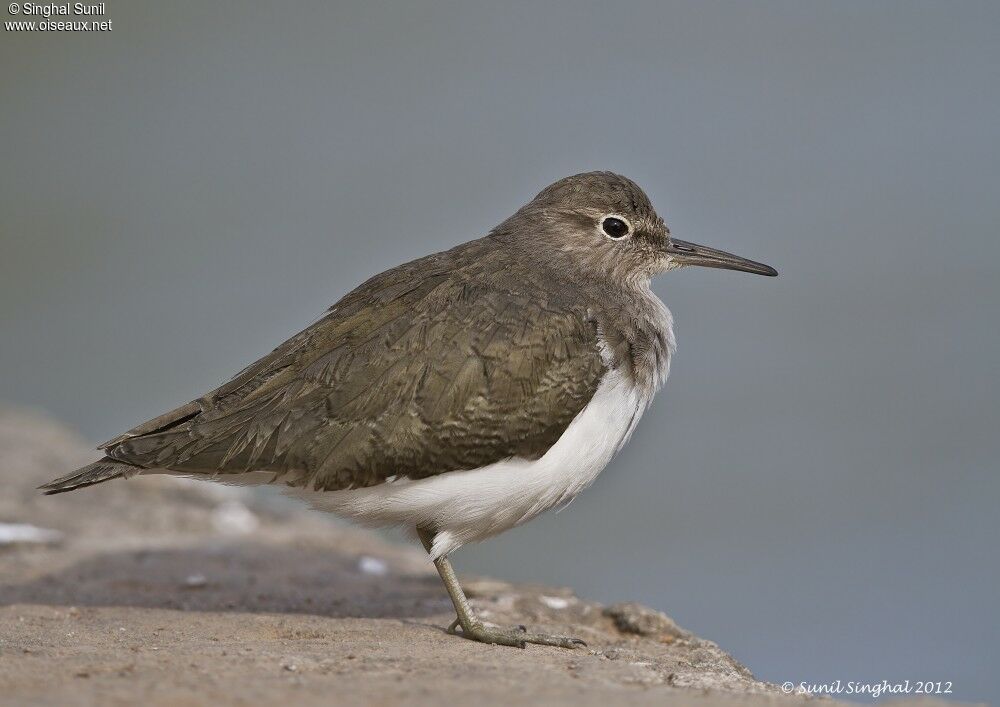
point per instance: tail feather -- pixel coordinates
(96, 473)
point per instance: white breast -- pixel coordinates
(467, 506)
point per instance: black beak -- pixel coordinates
(685, 253)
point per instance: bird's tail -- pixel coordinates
(96, 473)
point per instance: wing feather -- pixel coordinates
(431, 367)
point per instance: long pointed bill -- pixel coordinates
(685, 253)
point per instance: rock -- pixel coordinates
(630, 617)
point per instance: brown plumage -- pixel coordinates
(453, 361)
(433, 366)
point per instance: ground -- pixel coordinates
(156, 591)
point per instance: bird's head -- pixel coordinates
(605, 224)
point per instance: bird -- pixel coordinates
(458, 395)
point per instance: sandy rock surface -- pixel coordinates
(163, 592)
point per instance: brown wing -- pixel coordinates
(446, 363)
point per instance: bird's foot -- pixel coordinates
(517, 636)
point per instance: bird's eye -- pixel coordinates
(615, 227)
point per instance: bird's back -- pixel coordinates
(453, 361)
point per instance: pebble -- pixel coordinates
(195, 581)
(234, 518)
(373, 566)
(554, 602)
(25, 534)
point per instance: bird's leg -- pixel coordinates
(472, 627)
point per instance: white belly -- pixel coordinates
(467, 506)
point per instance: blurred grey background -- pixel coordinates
(816, 488)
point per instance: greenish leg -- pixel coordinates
(472, 627)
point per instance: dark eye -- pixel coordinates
(614, 227)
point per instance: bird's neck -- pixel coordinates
(637, 336)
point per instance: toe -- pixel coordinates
(558, 641)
